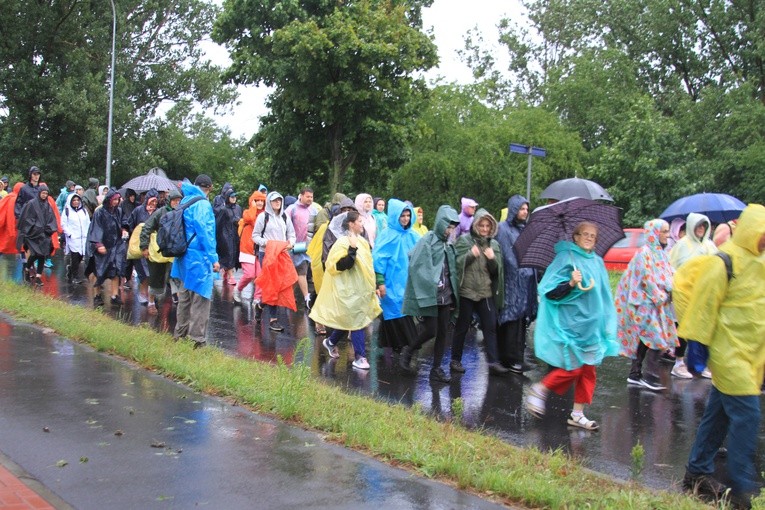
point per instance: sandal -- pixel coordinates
(535, 402)
(581, 421)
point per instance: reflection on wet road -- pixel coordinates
(664, 423)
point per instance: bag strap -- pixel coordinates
(728, 264)
(189, 203)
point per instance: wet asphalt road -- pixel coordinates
(664, 423)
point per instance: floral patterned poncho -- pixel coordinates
(643, 307)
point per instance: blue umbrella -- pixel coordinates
(718, 207)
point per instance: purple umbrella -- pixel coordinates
(575, 188)
(718, 207)
(535, 247)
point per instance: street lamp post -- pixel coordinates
(111, 99)
(531, 151)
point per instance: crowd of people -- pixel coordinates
(353, 260)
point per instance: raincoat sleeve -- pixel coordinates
(201, 219)
(700, 317)
(422, 286)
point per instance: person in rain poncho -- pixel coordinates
(418, 225)
(106, 250)
(347, 300)
(468, 206)
(8, 221)
(696, 242)
(76, 222)
(247, 255)
(227, 216)
(482, 289)
(140, 215)
(391, 261)
(36, 224)
(520, 306)
(576, 326)
(195, 268)
(432, 290)
(727, 316)
(378, 212)
(273, 225)
(645, 316)
(363, 203)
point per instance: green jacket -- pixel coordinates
(480, 277)
(426, 261)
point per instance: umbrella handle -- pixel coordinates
(582, 287)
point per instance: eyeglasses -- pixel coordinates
(587, 235)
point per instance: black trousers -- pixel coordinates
(437, 327)
(488, 315)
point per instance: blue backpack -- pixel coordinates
(171, 234)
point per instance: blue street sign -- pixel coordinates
(530, 151)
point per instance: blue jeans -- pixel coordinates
(739, 417)
(357, 340)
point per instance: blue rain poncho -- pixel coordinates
(195, 267)
(580, 328)
(391, 257)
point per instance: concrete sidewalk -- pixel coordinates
(87, 430)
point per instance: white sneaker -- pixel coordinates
(681, 371)
(706, 374)
(361, 363)
(237, 296)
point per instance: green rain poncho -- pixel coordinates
(728, 316)
(580, 328)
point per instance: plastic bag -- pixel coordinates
(134, 245)
(698, 355)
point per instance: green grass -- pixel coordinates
(402, 436)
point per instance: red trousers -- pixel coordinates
(583, 379)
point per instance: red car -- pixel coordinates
(620, 254)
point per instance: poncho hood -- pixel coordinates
(445, 216)
(750, 228)
(481, 214)
(514, 205)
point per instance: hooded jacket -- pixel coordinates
(76, 223)
(106, 230)
(727, 315)
(195, 267)
(36, 224)
(465, 219)
(480, 277)
(370, 224)
(90, 197)
(391, 258)
(27, 191)
(8, 221)
(279, 227)
(151, 224)
(520, 282)
(417, 226)
(691, 246)
(140, 214)
(426, 263)
(325, 214)
(246, 226)
(227, 219)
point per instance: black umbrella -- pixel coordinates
(535, 247)
(575, 188)
(155, 178)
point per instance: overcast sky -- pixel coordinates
(450, 21)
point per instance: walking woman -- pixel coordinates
(247, 255)
(75, 221)
(576, 325)
(645, 316)
(227, 217)
(391, 262)
(347, 300)
(482, 289)
(36, 224)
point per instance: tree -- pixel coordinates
(344, 72)
(54, 64)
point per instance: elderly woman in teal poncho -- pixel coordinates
(391, 263)
(576, 325)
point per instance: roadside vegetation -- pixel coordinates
(396, 434)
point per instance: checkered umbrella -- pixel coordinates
(556, 222)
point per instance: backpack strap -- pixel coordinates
(265, 222)
(728, 264)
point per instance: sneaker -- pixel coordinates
(438, 375)
(497, 369)
(651, 385)
(456, 366)
(361, 363)
(116, 300)
(237, 296)
(517, 368)
(681, 371)
(275, 326)
(706, 374)
(703, 484)
(331, 349)
(48, 263)
(635, 381)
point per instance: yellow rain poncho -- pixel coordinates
(728, 316)
(347, 299)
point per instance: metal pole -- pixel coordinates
(528, 177)
(111, 99)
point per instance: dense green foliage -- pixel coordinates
(345, 91)
(54, 81)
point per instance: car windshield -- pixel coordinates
(636, 239)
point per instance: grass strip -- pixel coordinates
(393, 433)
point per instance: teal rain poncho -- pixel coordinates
(391, 257)
(580, 328)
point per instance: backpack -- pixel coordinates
(171, 234)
